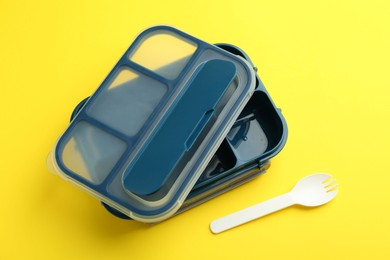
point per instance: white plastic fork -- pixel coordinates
(313, 190)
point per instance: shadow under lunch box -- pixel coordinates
(176, 122)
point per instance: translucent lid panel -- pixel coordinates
(158, 49)
(127, 102)
(91, 152)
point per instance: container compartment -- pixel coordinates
(223, 160)
(258, 129)
(256, 134)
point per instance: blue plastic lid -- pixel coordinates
(145, 136)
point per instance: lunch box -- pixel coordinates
(176, 122)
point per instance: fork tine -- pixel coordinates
(331, 188)
(329, 182)
(332, 192)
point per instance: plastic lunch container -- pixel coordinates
(161, 134)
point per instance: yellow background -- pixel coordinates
(325, 63)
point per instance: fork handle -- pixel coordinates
(251, 213)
